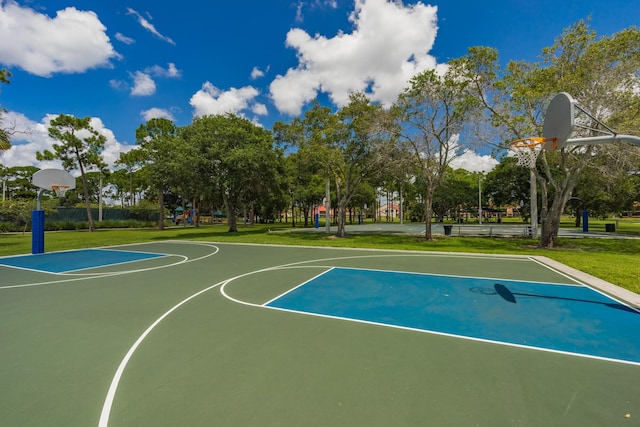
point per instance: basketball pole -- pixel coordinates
(37, 228)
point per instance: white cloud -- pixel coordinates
(389, 44)
(259, 109)
(118, 84)
(71, 42)
(149, 26)
(156, 113)
(30, 138)
(474, 162)
(34, 137)
(313, 4)
(256, 73)
(171, 71)
(124, 39)
(112, 148)
(211, 101)
(143, 84)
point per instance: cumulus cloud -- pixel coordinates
(112, 148)
(388, 45)
(34, 137)
(211, 101)
(474, 162)
(124, 39)
(143, 84)
(71, 42)
(144, 23)
(259, 109)
(156, 113)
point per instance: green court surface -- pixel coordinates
(213, 334)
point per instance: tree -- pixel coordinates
(459, 190)
(17, 182)
(430, 118)
(508, 184)
(236, 158)
(354, 151)
(608, 183)
(160, 147)
(80, 148)
(602, 75)
(306, 186)
(339, 146)
(132, 161)
(312, 136)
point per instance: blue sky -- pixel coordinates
(123, 62)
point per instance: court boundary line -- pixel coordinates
(301, 284)
(426, 331)
(111, 393)
(78, 271)
(77, 278)
(621, 295)
(627, 297)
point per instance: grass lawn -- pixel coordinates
(613, 260)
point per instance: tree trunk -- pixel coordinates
(428, 209)
(232, 221)
(87, 201)
(161, 210)
(341, 211)
(551, 216)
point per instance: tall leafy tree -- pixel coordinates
(430, 121)
(354, 151)
(339, 146)
(160, 147)
(80, 148)
(16, 182)
(236, 158)
(132, 161)
(601, 74)
(508, 184)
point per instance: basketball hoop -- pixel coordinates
(60, 190)
(528, 149)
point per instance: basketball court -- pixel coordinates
(200, 334)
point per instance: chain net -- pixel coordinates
(527, 151)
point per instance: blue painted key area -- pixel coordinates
(61, 262)
(565, 318)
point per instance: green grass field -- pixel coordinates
(613, 260)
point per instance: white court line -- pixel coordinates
(110, 397)
(119, 273)
(427, 331)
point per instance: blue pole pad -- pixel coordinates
(585, 221)
(37, 231)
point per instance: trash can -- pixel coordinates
(447, 230)
(610, 228)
